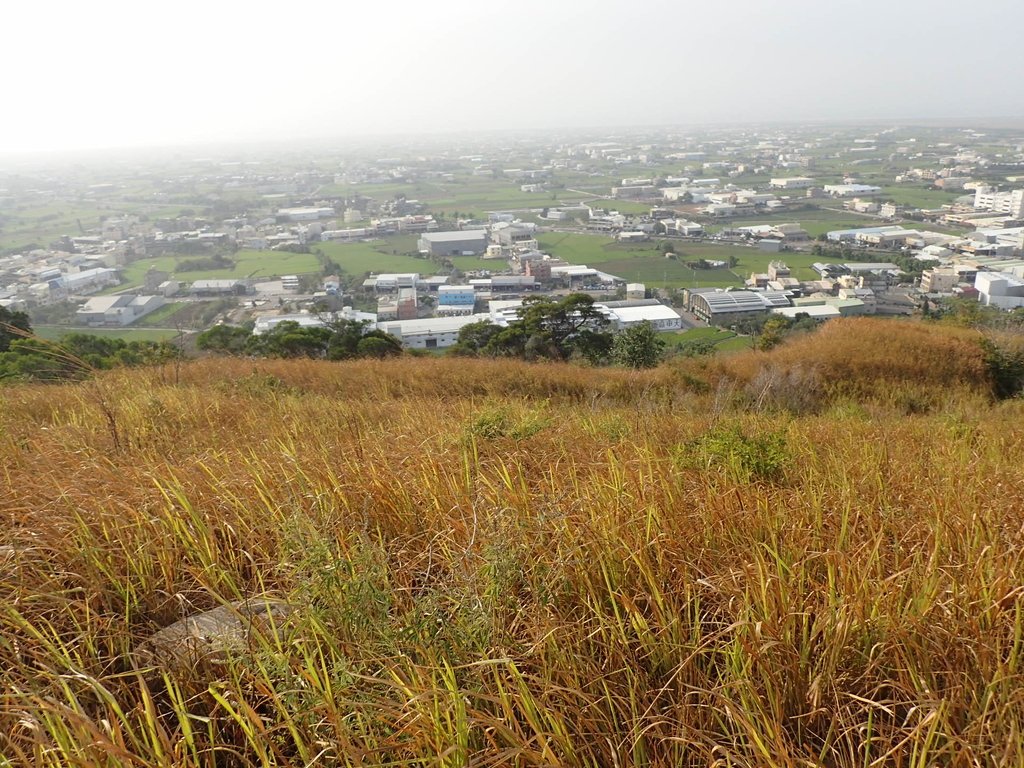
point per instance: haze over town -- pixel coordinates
(109, 75)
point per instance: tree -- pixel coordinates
(773, 331)
(638, 346)
(555, 330)
(77, 355)
(39, 360)
(475, 338)
(226, 339)
(343, 343)
(289, 339)
(380, 345)
(13, 325)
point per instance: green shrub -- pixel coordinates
(496, 423)
(1005, 367)
(743, 457)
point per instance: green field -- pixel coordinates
(799, 263)
(55, 332)
(659, 271)
(40, 225)
(819, 221)
(816, 221)
(247, 264)
(466, 195)
(471, 263)
(623, 206)
(723, 340)
(643, 262)
(919, 197)
(163, 316)
(386, 255)
(593, 250)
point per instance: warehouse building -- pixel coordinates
(1000, 289)
(470, 242)
(431, 332)
(115, 311)
(851, 190)
(718, 307)
(627, 314)
(791, 182)
(456, 299)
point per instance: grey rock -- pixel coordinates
(211, 637)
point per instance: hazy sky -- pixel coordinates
(115, 73)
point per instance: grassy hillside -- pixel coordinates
(810, 556)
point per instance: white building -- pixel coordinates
(660, 317)
(305, 214)
(791, 182)
(391, 282)
(458, 243)
(851, 190)
(683, 227)
(1000, 289)
(88, 280)
(814, 311)
(849, 235)
(939, 280)
(431, 332)
(120, 310)
(1010, 203)
(265, 323)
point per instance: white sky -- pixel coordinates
(118, 73)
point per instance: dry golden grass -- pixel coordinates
(506, 564)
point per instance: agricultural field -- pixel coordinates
(723, 340)
(390, 254)
(55, 332)
(623, 206)
(669, 273)
(799, 263)
(472, 263)
(468, 196)
(810, 556)
(163, 317)
(592, 250)
(644, 262)
(817, 221)
(248, 263)
(187, 315)
(919, 197)
(41, 225)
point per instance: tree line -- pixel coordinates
(24, 356)
(570, 329)
(336, 340)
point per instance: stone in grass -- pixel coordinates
(212, 636)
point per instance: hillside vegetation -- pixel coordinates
(803, 557)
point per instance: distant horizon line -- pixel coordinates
(992, 122)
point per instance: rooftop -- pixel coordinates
(448, 237)
(650, 312)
